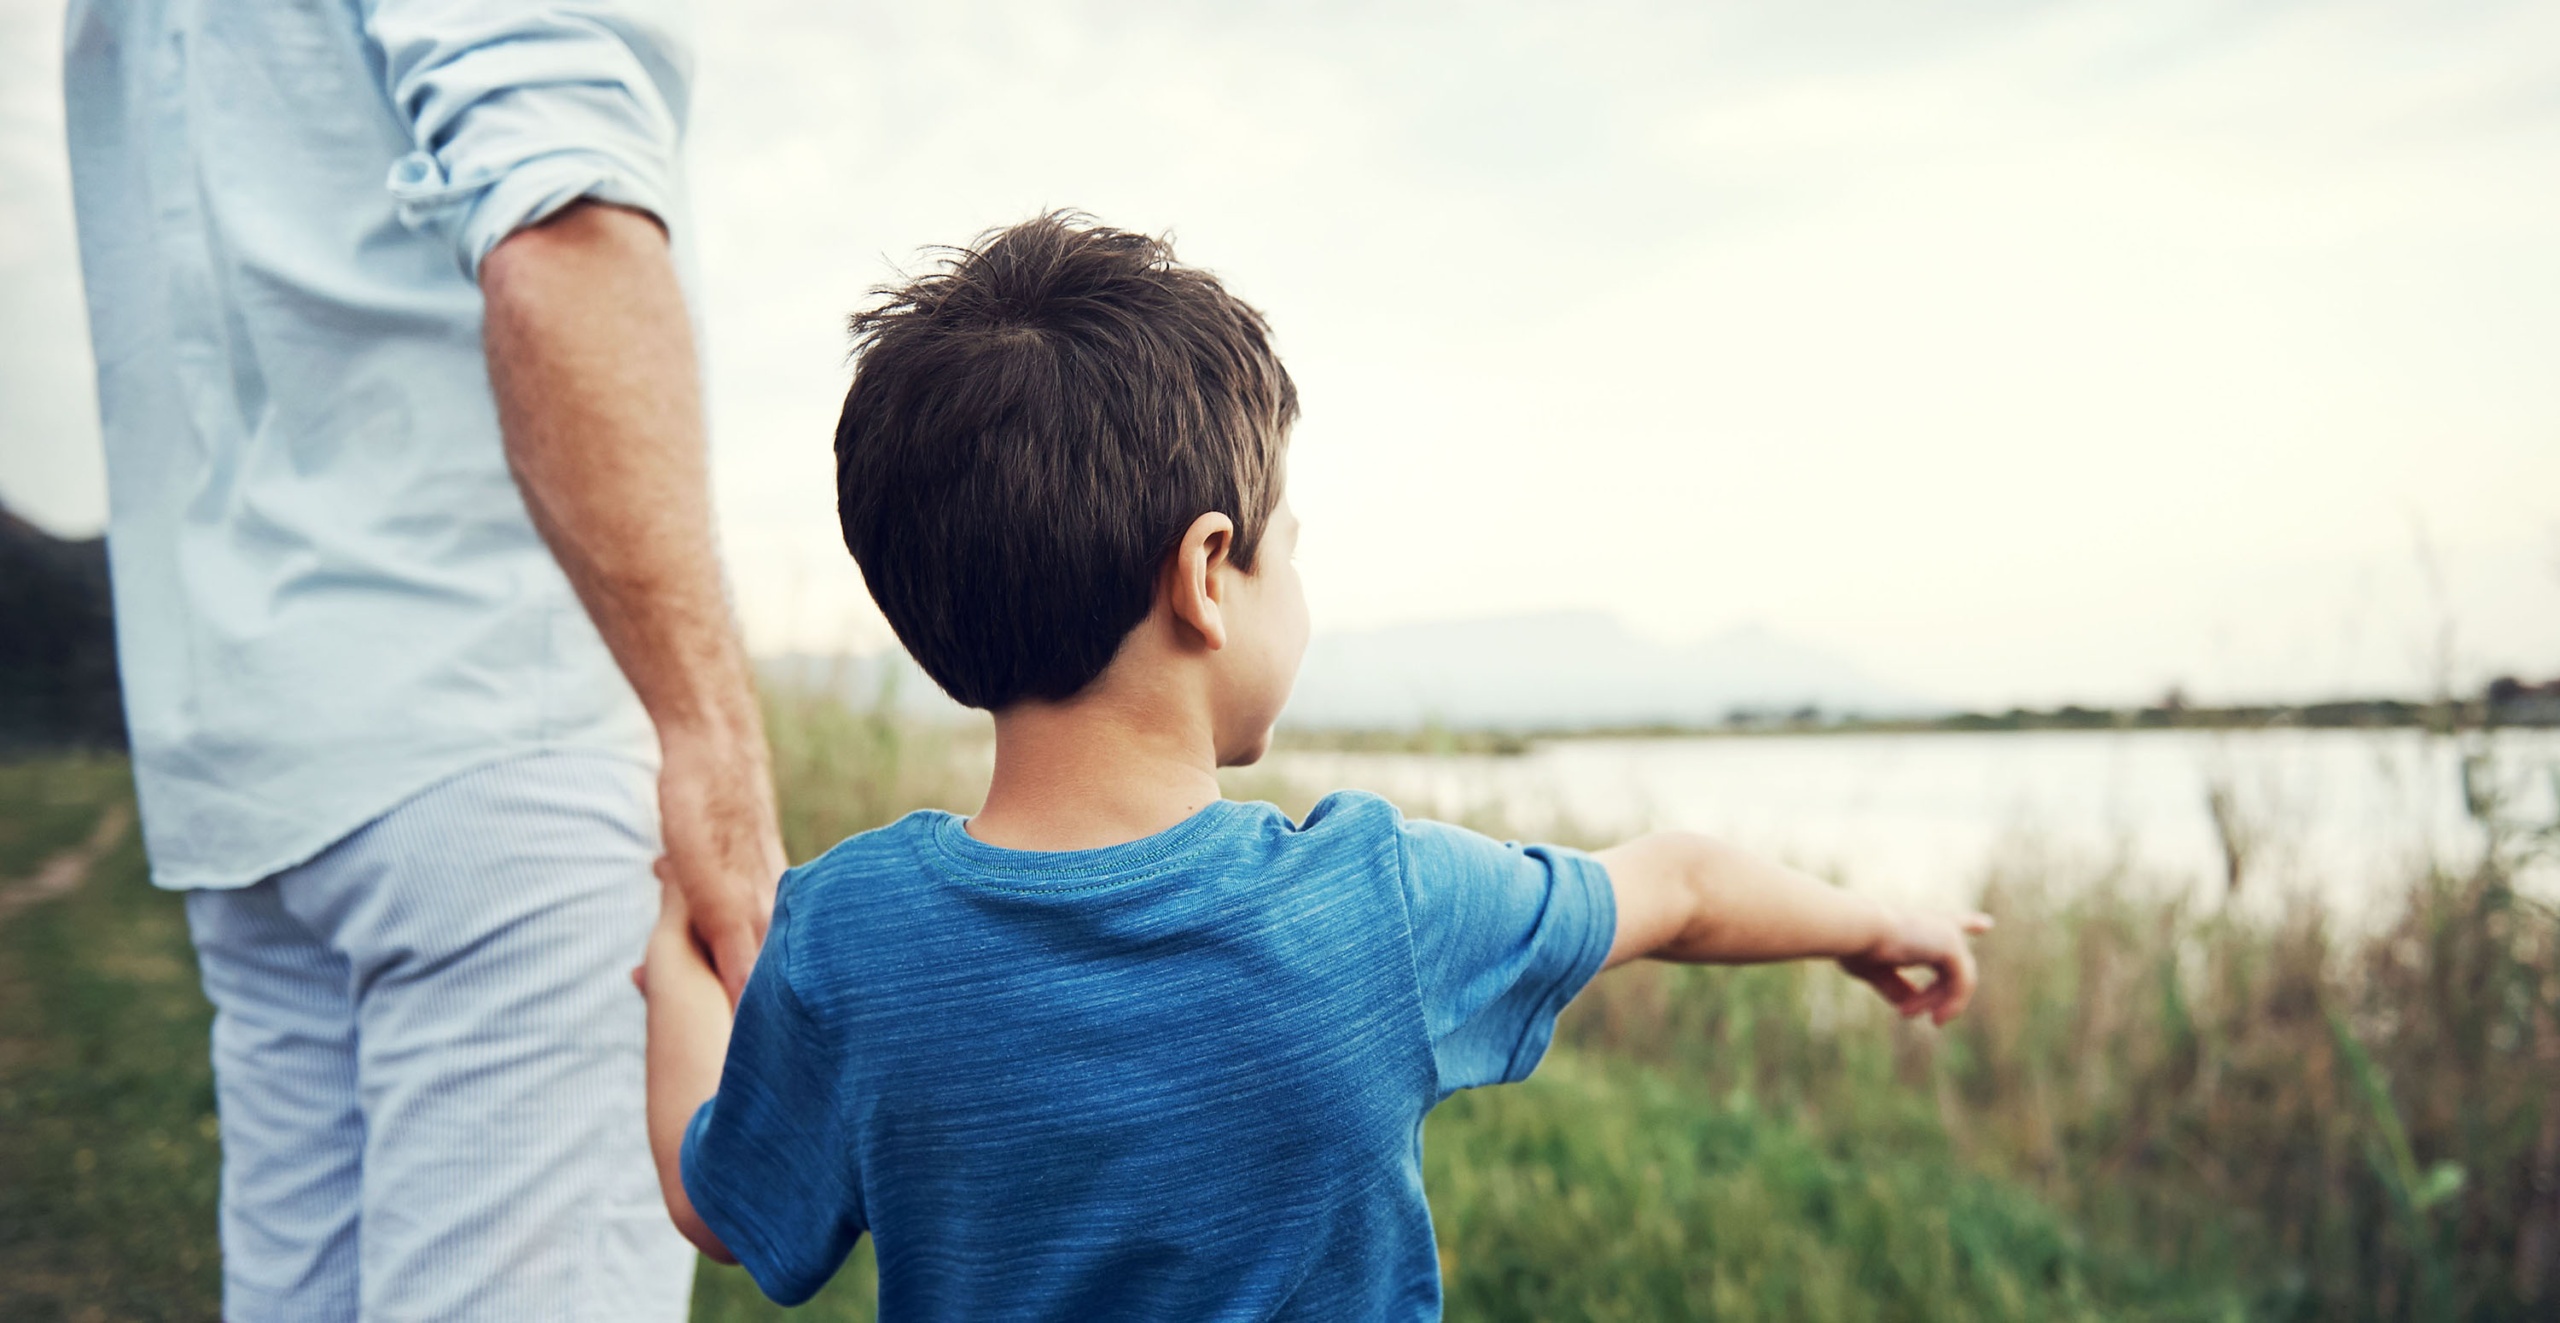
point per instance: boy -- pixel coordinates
(1117, 1047)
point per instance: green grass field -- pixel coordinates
(2153, 1114)
(108, 1145)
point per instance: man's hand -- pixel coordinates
(1922, 939)
(591, 358)
(716, 816)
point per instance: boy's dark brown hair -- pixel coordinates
(1030, 430)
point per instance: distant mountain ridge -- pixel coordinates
(1552, 670)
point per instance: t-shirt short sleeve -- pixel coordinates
(767, 1161)
(1504, 935)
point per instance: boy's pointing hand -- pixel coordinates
(1935, 940)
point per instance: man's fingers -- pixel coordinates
(1976, 923)
(673, 904)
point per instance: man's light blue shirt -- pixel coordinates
(328, 593)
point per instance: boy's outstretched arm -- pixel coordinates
(1689, 898)
(688, 1038)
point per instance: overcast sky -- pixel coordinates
(2014, 351)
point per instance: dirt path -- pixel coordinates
(70, 867)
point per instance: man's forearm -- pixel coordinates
(591, 357)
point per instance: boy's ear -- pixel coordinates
(1192, 584)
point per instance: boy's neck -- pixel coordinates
(1103, 768)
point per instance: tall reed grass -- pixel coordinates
(2359, 1127)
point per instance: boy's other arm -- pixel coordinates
(1692, 899)
(688, 1037)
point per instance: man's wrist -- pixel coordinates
(730, 732)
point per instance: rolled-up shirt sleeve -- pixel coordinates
(516, 110)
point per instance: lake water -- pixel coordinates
(1919, 816)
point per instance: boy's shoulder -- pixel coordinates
(1352, 819)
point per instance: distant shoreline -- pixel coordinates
(2534, 711)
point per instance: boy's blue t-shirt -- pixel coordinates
(1180, 1078)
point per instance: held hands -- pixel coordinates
(1917, 939)
(675, 952)
(723, 851)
